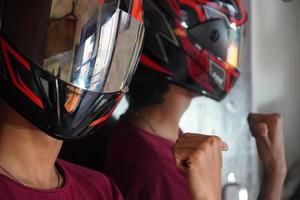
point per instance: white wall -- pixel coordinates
(276, 65)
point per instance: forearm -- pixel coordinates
(272, 186)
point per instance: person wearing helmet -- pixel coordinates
(191, 48)
(64, 66)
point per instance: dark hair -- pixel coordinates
(147, 88)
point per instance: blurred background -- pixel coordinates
(276, 72)
(269, 83)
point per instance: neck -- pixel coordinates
(26, 153)
(163, 119)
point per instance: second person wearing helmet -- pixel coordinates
(191, 48)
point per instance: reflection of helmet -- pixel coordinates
(195, 43)
(65, 64)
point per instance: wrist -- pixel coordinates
(204, 190)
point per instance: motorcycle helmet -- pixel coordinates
(65, 64)
(195, 43)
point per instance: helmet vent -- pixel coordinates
(214, 35)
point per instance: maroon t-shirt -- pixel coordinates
(80, 184)
(142, 165)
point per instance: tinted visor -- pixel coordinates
(88, 44)
(220, 37)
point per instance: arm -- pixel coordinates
(268, 133)
(200, 157)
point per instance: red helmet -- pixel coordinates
(65, 64)
(195, 43)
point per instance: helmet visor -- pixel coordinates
(219, 36)
(88, 44)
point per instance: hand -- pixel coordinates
(200, 157)
(268, 133)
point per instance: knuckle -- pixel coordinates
(206, 146)
(217, 139)
(188, 134)
(277, 117)
(213, 140)
(209, 140)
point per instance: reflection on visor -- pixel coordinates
(105, 51)
(219, 36)
(233, 55)
(85, 43)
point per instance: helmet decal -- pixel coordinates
(161, 32)
(15, 77)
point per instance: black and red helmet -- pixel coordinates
(195, 43)
(65, 64)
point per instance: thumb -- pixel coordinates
(260, 132)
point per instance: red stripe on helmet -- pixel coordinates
(244, 16)
(151, 64)
(105, 117)
(16, 79)
(137, 11)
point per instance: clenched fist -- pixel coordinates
(268, 133)
(200, 157)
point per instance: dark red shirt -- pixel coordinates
(80, 184)
(143, 166)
